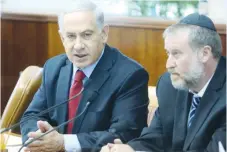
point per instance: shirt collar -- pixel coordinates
(89, 69)
(202, 91)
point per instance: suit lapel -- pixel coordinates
(62, 93)
(181, 114)
(98, 78)
(209, 99)
(202, 113)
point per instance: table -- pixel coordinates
(14, 142)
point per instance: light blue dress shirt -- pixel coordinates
(71, 141)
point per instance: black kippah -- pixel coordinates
(199, 20)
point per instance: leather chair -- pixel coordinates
(153, 104)
(27, 84)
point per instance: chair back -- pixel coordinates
(153, 104)
(27, 84)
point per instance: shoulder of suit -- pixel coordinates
(164, 84)
(57, 60)
(125, 61)
(165, 79)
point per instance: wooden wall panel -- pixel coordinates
(6, 76)
(55, 46)
(224, 42)
(143, 45)
(23, 43)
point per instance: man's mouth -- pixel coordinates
(80, 55)
(176, 74)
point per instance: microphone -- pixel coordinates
(93, 96)
(41, 113)
(115, 129)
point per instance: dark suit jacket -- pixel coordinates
(168, 129)
(120, 83)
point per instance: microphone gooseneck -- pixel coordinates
(55, 128)
(41, 113)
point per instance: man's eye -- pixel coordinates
(71, 36)
(87, 35)
(175, 53)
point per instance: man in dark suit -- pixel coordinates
(192, 96)
(115, 86)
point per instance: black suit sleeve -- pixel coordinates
(131, 94)
(219, 135)
(151, 138)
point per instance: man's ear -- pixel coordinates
(105, 32)
(205, 53)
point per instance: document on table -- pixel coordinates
(14, 143)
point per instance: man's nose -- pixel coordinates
(78, 44)
(170, 63)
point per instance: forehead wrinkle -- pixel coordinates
(176, 40)
(74, 33)
(79, 21)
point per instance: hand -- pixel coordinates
(118, 146)
(49, 143)
(105, 149)
(108, 147)
(38, 131)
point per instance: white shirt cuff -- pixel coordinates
(72, 143)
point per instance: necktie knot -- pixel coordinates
(196, 101)
(79, 76)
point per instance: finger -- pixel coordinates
(33, 149)
(29, 139)
(26, 149)
(117, 141)
(34, 134)
(37, 143)
(39, 131)
(44, 126)
(105, 149)
(114, 149)
(110, 145)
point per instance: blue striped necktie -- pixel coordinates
(194, 105)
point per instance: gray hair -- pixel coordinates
(199, 37)
(83, 5)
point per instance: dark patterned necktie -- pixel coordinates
(194, 105)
